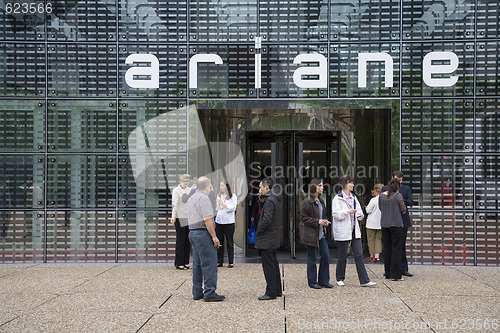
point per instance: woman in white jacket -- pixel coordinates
(346, 211)
(225, 223)
(373, 228)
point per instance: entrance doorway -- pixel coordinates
(294, 143)
(293, 159)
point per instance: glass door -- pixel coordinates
(292, 159)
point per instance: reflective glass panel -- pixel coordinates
(365, 20)
(278, 70)
(345, 81)
(412, 72)
(81, 126)
(488, 69)
(488, 126)
(235, 77)
(488, 238)
(488, 20)
(82, 70)
(82, 20)
(22, 68)
(22, 126)
(437, 126)
(298, 20)
(145, 235)
(81, 235)
(441, 238)
(164, 123)
(17, 23)
(81, 181)
(154, 175)
(487, 182)
(172, 63)
(153, 20)
(22, 181)
(444, 182)
(430, 19)
(21, 236)
(222, 21)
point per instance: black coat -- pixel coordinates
(267, 235)
(309, 216)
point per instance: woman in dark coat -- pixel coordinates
(391, 205)
(314, 217)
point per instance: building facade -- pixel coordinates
(103, 104)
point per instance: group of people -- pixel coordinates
(387, 225)
(224, 204)
(205, 240)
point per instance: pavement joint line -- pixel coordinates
(108, 269)
(473, 278)
(181, 284)
(162, 304)
(385, 284)
(9, 321)
(145, 323)
(406, 304)
(285, 323)
(427, 324)
(29, 310)
(457, 268)
(15, 272)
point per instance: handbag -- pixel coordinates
(251, 233)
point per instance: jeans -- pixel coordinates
(204, 263)
(324, 269)
(225, 231)
(357, 250)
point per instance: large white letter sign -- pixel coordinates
(193, 66)
(428, 69)
(151, 72)
(363, 59)
(321, 71)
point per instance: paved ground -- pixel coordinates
(157, 298)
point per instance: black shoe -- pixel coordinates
(407, 274)
(315, 286)
(215, 298)
(230, 266)
(220, 265)
(197, 297)
(326, 285)
(265, 298)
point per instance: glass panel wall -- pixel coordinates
(92, 143)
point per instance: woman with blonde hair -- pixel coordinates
(373, 228)
(179, 219)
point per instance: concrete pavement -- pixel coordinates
(151, 297)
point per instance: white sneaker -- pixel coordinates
(369, 284)
(340, 283)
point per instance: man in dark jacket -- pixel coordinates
(267, 237)
(405, 191)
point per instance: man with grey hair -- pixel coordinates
(204, 243)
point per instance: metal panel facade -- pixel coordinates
(66, 110)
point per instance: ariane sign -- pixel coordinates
(437, 69)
